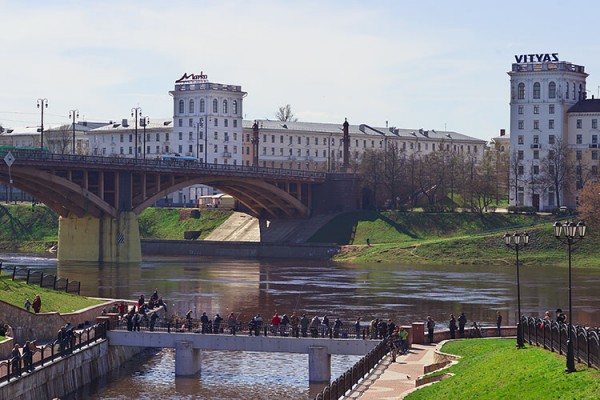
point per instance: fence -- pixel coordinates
(553, 336)
(348, 379)
(42, 280)
(16, 366)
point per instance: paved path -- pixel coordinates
(391, 381)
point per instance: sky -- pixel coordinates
(427, 64)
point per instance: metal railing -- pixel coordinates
(354, 374)
(553, 336)
(45, 354)
(42, 279)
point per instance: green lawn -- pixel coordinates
(495, 369)
(16, 292)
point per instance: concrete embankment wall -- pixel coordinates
(68, 374)
(152, 247)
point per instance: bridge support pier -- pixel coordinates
(319, 364)
(104, 239)
(188, 360)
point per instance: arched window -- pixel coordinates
(580, 94)
(521, 91)
(191, 106)
(215, 106)
(224, 106)
(201, 105)
(181, 107)
(567, 96)
(234, 107)
(552, 90)
(536, 90)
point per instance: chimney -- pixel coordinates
(125, 123)
(502, 132)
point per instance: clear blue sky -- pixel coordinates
(424, 64)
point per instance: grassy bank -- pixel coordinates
(16, 292)
(495, 369)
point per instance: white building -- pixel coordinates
(542, 90)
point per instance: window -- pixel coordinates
(191, 122)
(180, 135)
(536, 124)
(190, 149)
(521, 91)
(224, 106)
(216, 148)
(550, 108)
(594, 155)
(551, 139)
(521, 124)
(190, 136)
(167, 136)
(536, 109)
(520, 155)
(280, 138)
(520, 110)
(520, 139)
(122, 137)
(191, 106)
(180, 122)
(536, 139)
(536, 90)
(272, 138)
(536, 169)
(216, 121)
(181, 107)
(235, 123)
(550, 124)
(594, 123)
(158, 137)
(552, 90)
(536, 154)
(180, 149)
(578, 155)
(216, 135)
(595, 139)
(579, 124)
(234, 109)
(520, 170)
(567, 94)
(215, 106)
(202, 105)
(578, 139)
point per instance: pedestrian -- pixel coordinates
(8, 331)
(304, 322)
(295, 323)
(16, 360)
(452, 326)
(357, 328)
(137, 321)
(499, 322)
(285, 320)
(27, 304)
(203, 321)
(217, 323)
(462, 321)
(337, 327)
(37, 304)
(430, 327)
(275, 321)
(314, 326)
(324, 326)
(153, 319)
(258, 321)
(561, 317)
(232, 323)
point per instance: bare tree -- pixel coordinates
(59, 140)
(284, 113)
(515, 171)
(557, 168)
(589, 203)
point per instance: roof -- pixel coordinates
(153, 123)
(362, 129)
(588, 105)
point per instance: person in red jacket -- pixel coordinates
(275, 321)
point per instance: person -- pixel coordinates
(122, 309)
(252, 326)
(203, 321)
(154, 296)
(452, 326)
(137, 321)
(337, 327)
(394, 343)
(324, 326)
(285, 320)
(499, 322)
(304, 322)
(232, 323)
(430, 328)
(314, 326)
(357, 328)
(129, 319)
(561, 317)
(383, 329)
(403, 335)
(153, 319)
(27, 304)
(37, 304)
(373, 328)
(368, 242)
(258, 321)
(295, 323)
(8, 331)
(462, 321)
(275, 321)
(61, 338)
(16, 360)
(391, 326)
(217, 323)
(141, 301)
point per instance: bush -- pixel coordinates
(521, 209)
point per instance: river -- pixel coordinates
(402, 293)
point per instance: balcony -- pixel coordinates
(226, 154)
(535, 146)
(593, 145)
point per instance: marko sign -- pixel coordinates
(530, 58)
(192, 77)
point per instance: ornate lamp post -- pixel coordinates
(514, 241)
(569, 233)
(135, 111)
(41, 104)
(73, 114)
(144, 121)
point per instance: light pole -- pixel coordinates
(198, 126)
(569, 233)
(514, 242)
(144, 121)
(136, 111)
(41, 104)
(205, 140)
(73, 114)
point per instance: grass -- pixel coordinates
(16, 292)
(495, 369)
(170, 224)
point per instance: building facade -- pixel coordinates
(542, 90)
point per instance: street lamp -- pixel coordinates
(199, 125)
(73, 114)
(567, 233)
(514, 242)
(41, 104)
(136, 111)
(144, 121)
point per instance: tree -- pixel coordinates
(589, 203)
(284, 113)
(557, 168)
(515, 168)
(59, 140)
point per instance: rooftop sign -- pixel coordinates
(530, 58)
(192, 77)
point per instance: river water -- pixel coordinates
(402, 293)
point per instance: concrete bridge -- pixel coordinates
(188, 348)
(98, 198)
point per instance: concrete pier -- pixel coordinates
(319, 364)
(188, 360)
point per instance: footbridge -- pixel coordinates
(98, 198)
(188, 347)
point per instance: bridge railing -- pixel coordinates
(159, 163)
(42, 355)
(553, 336)
(42, 279)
